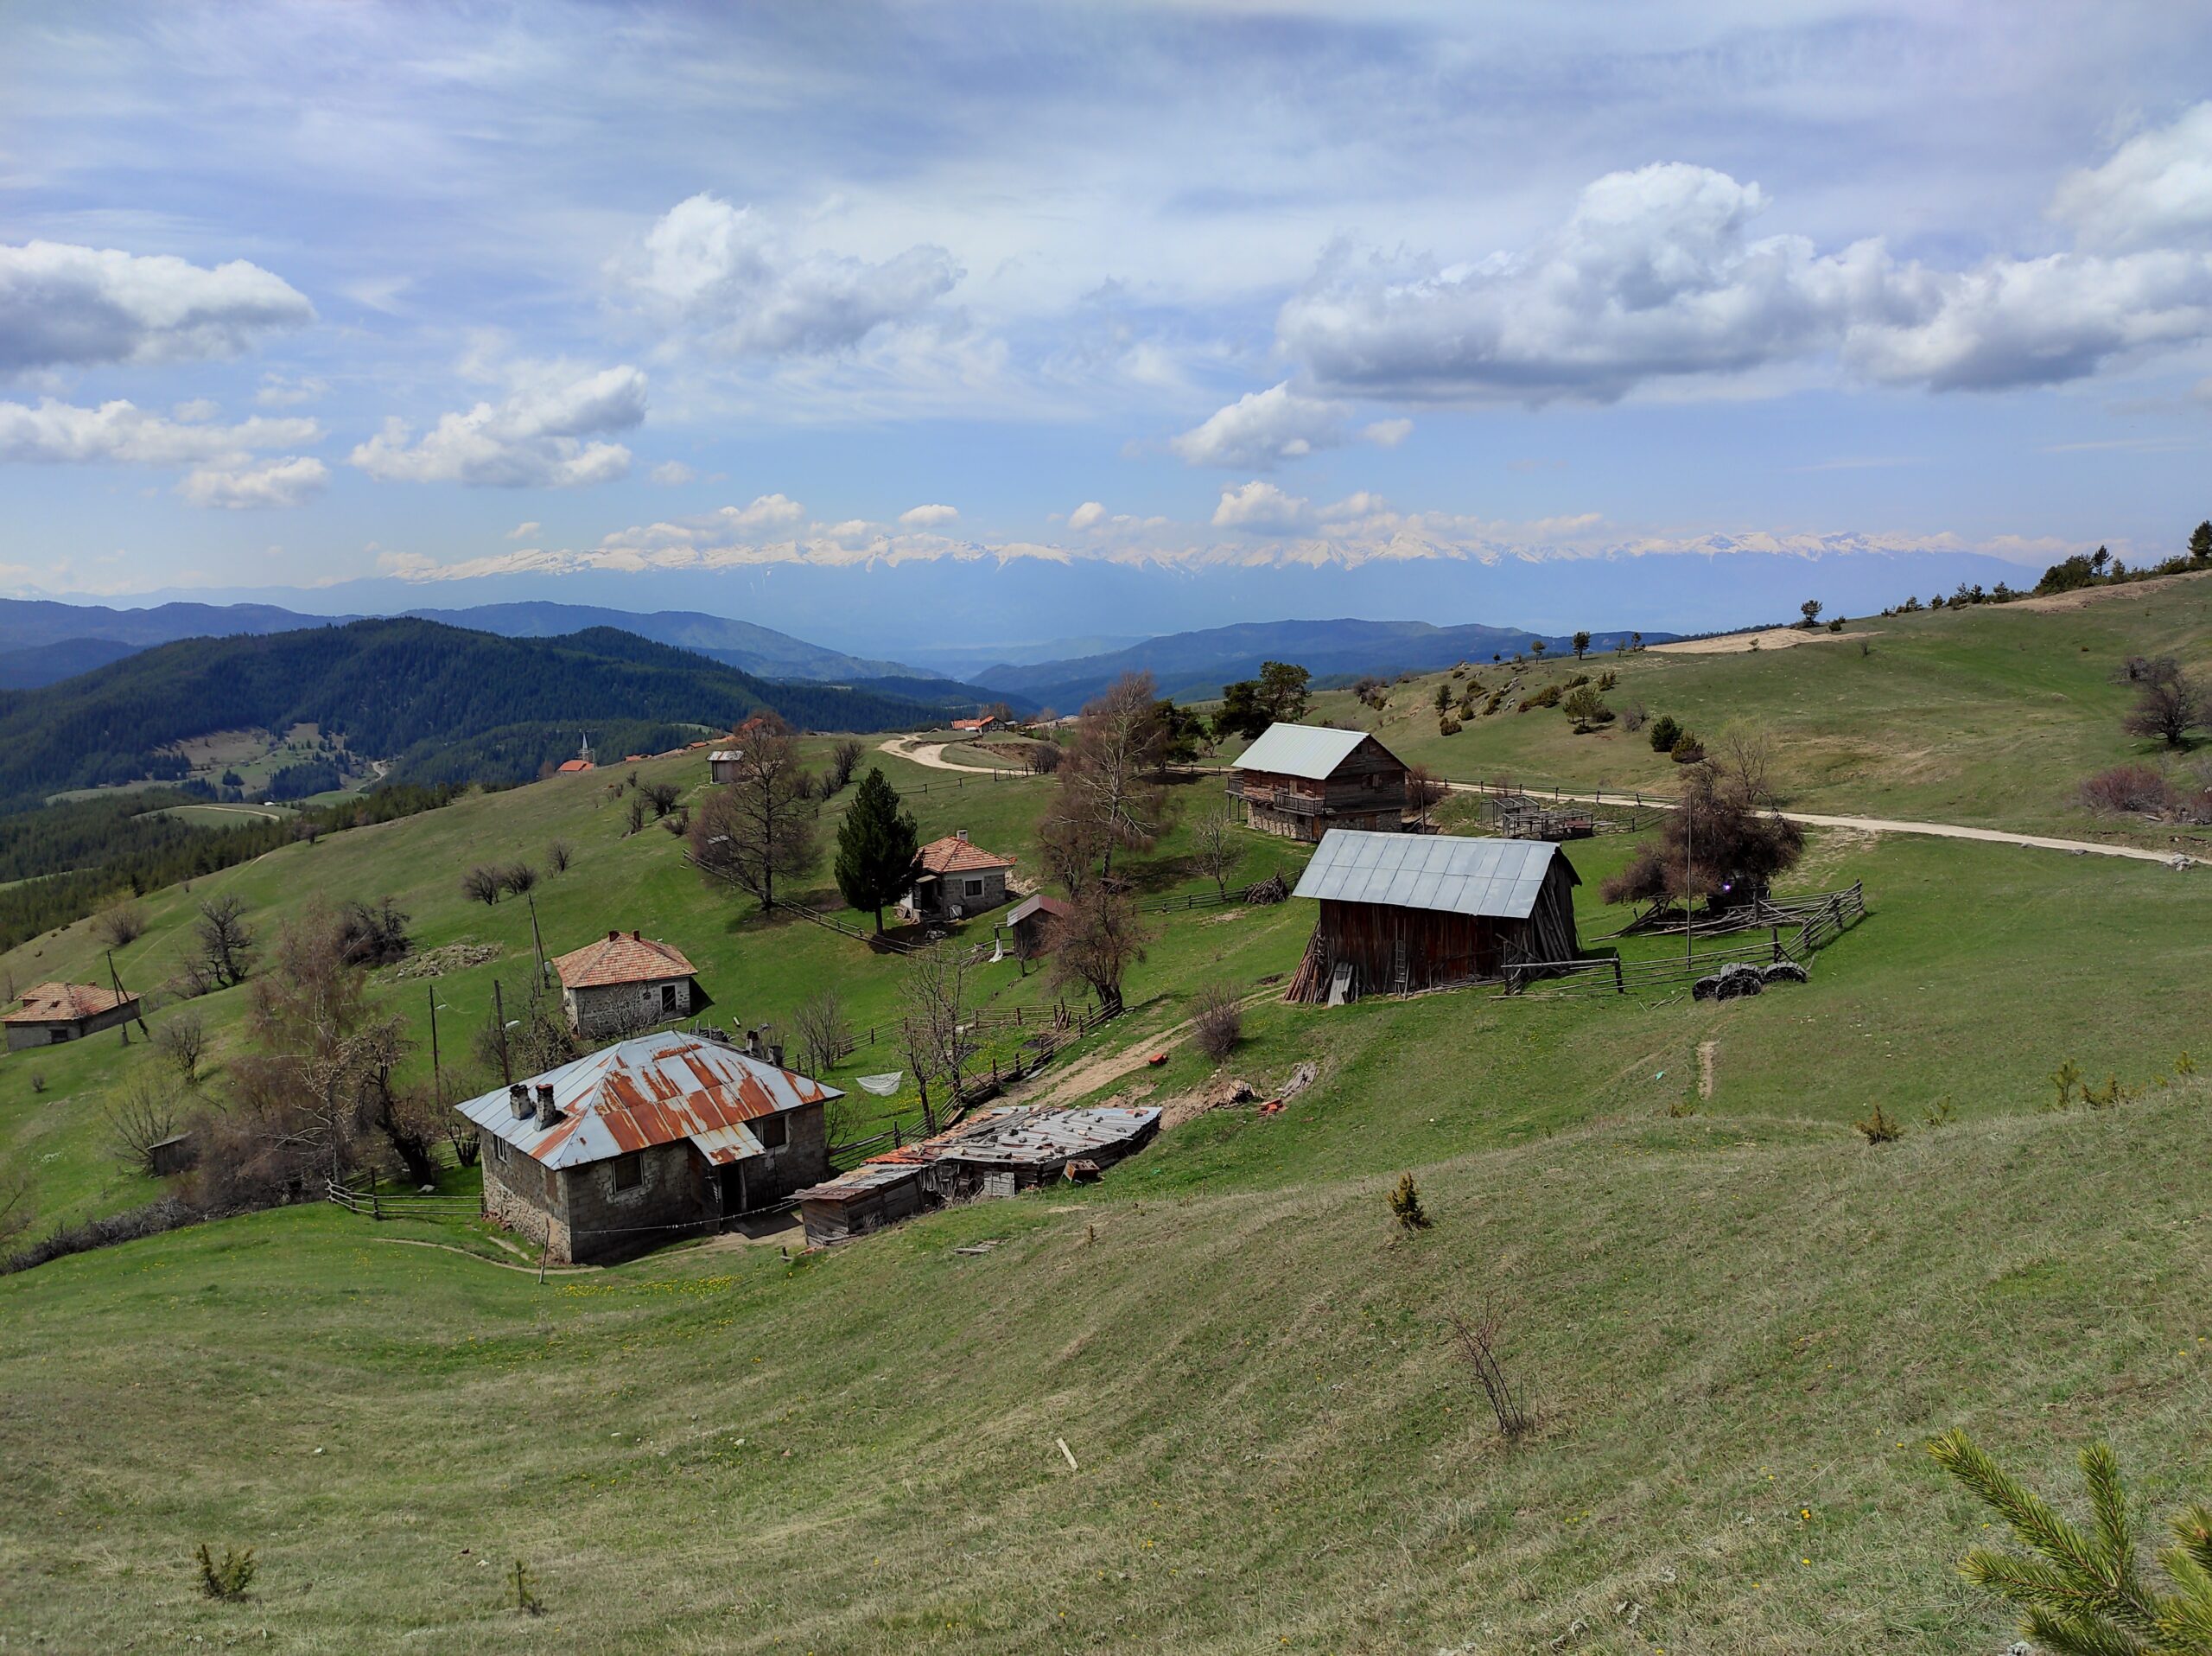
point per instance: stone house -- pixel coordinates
(625, 982)
(645, 1141)
(955, 880)
(53, 1013)
(1300, 781)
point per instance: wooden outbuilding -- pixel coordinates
(53, 1013)
(645, 1141)
(1298, 781)
(1403, 913)
(1031, 920)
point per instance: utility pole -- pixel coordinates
(435, 1086)
(537, 942)
(499, 1018)
(1690, 903)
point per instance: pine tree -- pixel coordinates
(875, 847)
(2086, 1596)
(2200, 543)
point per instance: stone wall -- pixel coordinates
(674, 1190)
(610, 1007)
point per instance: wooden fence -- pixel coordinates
(1821, 924)
(380, 1207)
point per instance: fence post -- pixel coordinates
(1620, 983)
(376, 1202)
(1776, 931)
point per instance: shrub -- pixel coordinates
(1547, 696)
(1448, 726)
(1586, 709)
(1665, 733)
(1219, 1024)
(1687, 750)
(481, 884)
(1608, 678)
(1478, 1347)
(119, 924)
(182, 1039)
(1405, 1204)
(229, 1578)
(2064, 1079)
(2128, 787)
(1044, 758)
(1880, 1128)
(144, 1115)
(517, 879)
(559, 854)
(1635, 719)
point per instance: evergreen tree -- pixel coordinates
(875, 847)
(2200, 543)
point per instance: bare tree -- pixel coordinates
(18, 1201)
(844, 760)
(1043, 757)
(1213, 838)
(1070, 841)
(517, 878)
(1746, 760)
(559, 854)
(1218, 1023)
(226, 943)
(2170, 706)
(142, 1115)
(182, 1039)
(481, 884)
(636, 819)
(825, 1034)
(1095, 943)
(1477, 1339)
(935, 1025)
(120, 923)
(661, 796)
(1424, 791)
(760, 826)
(1110, 779)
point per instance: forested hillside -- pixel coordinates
(387, 687)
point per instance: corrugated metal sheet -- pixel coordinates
(1305, 750)
(654, 1090)
(1498, 878)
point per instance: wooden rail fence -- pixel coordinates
(378, 1205)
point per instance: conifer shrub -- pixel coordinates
(1665, 733)
(1880, 1127)
(1687, 750)
(1448, 726)
(226, 1578)
(1405, 1205)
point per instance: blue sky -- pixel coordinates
(568, 301)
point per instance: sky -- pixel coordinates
(1401, 310)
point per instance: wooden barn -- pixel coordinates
(1401, 913)
(1298, 781)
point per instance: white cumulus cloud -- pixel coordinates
(264, 483)
(544, 436)
(1263, 508)
(1089, 515)
(724, 273)
(121, 432)
(1262, 429)
(62, 305)
(928, 517)
(2155, 192)
(672, 472)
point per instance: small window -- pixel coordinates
(668, 997)
(773, 1132)
(500, 1150)
(629, 1171)
(975, 888)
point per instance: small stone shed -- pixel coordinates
(1401, 913)
(53, 1013)
(996, 1152)
(1031, 920)
(955, 879)
(1297, 782)
(645, 1141)
(624, 982)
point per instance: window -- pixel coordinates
(629, 1171)
(773, 1132)
(974, 888)
(668, 997)
(500, 1150)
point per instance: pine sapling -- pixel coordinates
(1881, 1127)
(1405, 1202)
(526, 1600)
(2065, 1079)
(227, 1578)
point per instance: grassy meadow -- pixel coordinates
(1737, 1322)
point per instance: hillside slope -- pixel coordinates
(744, 645)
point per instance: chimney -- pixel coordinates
(960, 834)
(547, 1113)
(634, 937)
(614, 937)
(518, 1101)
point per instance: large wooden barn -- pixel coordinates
(1401, 913)
(1297, 782)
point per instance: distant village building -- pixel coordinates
(625, 982)
(583, 761)
(1401, 913)
(722, 764)
(1031, 920)
(645, 1141)
(978, 726)
(955, 879)
(996, 1152)
(1297, 782)
(53, 1013)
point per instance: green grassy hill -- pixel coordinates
(1739, 1322)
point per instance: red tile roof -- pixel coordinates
(953, 855)
(621, 958)
(570, 766)
(67, 1003)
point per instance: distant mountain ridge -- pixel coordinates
(760, 651)
(1193, 666)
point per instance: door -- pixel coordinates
(732, 1180)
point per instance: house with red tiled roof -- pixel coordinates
(645, 1141)
(955, 878)
(623, 983)
(977, 727)
(53, 1013)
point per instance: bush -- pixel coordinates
(119, 924)
(559, 854)
(517, 879)
(1687, 750)
(228, 1579)
(1547, 696)
(1219, 1024)
(2128, 787)
(1665, 733)
(1044, 758)
(1880, 1128)
(1405, 1204)
(1448, 726)
(481, 884)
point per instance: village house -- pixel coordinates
(953, 880)
(1401, 913)
(623, 983)
(1297, 782)
(53, 1013)
(996, 1152)
(1031, 920)
(646, 1141)
(977, 726)
(582, 762)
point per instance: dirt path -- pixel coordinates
(1706, 1052)
(1771, 638)
(928, 754)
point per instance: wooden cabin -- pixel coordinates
(1403, 913)
(1032, 920)
(1298, 781)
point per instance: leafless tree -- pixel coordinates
(559, 854)
(1213, 839)
(18, 1201)
(141, 1116)
(1424, 791)
(481, 884)
(1218, 1023)
(1745, 758)
(1044, 757)
(661, 796)
(825, 1034)
(226, 943)
(1097, 942)
(1069, 841)
(1478, 1341)
(182, 1039)
(844, 760)
(517, 878)
(2171, 705)
(935, 1025)
(120, 923)
(760, 826)
(1111, 779)
(636, 818)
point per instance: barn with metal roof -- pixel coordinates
(1401, 913)
(1300, 781)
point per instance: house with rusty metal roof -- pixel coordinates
(646, 1141)
(53, 1013)
(955, 878)
(623, 983)
(1297, 782)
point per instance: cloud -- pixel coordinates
(1262, 429)
(64, 306)
(120, 432)
(524, 530)
(277, 392)
(289, 481)
(928, 517)
(672, 472)
(2155, 192)
(1387, 434)
(766, 512)
(722, 272)
(1654, 277)
(1089, 515)
(1261, 508)
(537, 438)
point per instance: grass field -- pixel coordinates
(1739, 1322)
